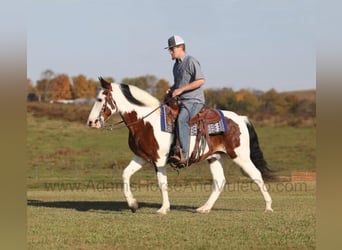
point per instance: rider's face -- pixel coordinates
(176, 52)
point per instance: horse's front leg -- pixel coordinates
(219, 181)
(135, 164)
(162, 182)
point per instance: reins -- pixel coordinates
(131, 123)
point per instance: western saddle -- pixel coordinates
(202, 119)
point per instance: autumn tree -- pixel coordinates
(82, 87)
(161, 87)
(247, 102)
(93, 87)
(79, 86)
(271, 102)
(304, 108)
(223, 98)
(291, 102)
(60, 87)
(209, 97)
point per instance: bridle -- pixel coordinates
(109, 100)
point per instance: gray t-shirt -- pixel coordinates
(185, 71)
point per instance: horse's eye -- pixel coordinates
(99, 99)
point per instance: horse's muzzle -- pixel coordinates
(95, 124)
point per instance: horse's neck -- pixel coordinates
(126, 106)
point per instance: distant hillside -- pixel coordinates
(309, 95)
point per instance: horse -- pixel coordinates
(141, 114)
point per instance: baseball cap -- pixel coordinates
(174, 41)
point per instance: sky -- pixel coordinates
(253, 44)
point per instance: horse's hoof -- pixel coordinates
(163, 211)
(134, 207)
(203, 211)
(268, 210)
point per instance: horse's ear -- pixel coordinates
(105, 84)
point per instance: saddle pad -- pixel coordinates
(213, 128)
(165, 126)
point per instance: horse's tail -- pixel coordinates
(256, 154)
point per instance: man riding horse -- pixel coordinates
(188, 82)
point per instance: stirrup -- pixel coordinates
(177, 161)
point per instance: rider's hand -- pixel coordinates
(177, 92)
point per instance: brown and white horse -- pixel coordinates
(139, 111)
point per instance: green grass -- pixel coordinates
(75, 199)
(69, 151)
(94, 219)
(289, 148)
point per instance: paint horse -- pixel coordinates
(140, 113)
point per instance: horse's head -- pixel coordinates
(104, 106)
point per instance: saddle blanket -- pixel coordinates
(214, 128)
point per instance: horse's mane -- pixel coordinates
(138, 96)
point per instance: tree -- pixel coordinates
(30, 88)
(247, 101)
(161, 87)
(147, 82)
(224, 98)
(83, 88)
(273, 103)
(210, 97)
(43, 89)
(151, 82)
(79, 86)
(304, 108)
(140, 82)
(60, 87)
(43, 85)
(48, 74)
(31, 91)
(93, 86)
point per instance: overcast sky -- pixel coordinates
(256, 44)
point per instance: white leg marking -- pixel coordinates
(135, 164)
(162, 182)
(255, 175)
(218, 184)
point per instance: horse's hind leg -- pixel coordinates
(219, 181)
(248, 166)
(132, 167)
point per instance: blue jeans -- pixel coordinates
(191, 109)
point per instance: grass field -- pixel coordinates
(75, 199)
(99, 219)
(59, 150)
